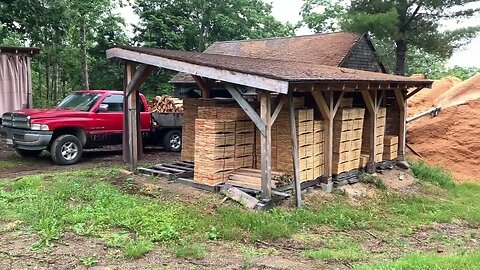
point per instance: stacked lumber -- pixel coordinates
(309, 139)
(381, 121)
(190, 113)
(214, 151)
(166, 104)
(252, 178)
(347, 139)
(244, 143)
(390, 147)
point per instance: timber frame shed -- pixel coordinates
(274, 83)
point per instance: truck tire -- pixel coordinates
(28, 153)
(172, 141)
(66, 150)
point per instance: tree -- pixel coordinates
(195, 24)
(403, 23)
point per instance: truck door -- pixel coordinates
(110, 119)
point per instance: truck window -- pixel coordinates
(115, 103)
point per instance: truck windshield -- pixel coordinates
(79, 101)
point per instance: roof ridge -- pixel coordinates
(279, 38)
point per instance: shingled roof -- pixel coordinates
(285, 71)
(330, 49)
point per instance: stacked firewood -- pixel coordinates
(166, 104)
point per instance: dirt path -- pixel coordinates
(12, 165)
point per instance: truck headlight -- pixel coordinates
(39, 127)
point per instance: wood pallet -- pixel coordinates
(170, 171)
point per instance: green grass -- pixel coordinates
(467, 261)
(433, 174)
(84, 202)
(190, 250)
(338, 248)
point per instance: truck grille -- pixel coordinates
(16, 120)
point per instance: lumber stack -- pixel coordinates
(244, 143)
(347, 139)
(381, 120)
(214, 151)
(390, 148)
(252, 178)
(310, 144)
(166, 104)
(190, 113)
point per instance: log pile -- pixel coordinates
(347, 139)
(166, 104)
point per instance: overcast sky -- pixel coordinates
(288, 11)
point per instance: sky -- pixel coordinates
(288, 11)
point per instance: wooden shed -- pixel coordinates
(15, 78)
(333, 103)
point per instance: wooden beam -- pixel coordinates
(235, 77)
(321, 104)
(418, 89)
(372, 106)
(203, 84)
(337, 104)
(279, 102)
(139, 78)
(128, 74)
(296, 165)
(256, 119)
(402, 105)
(266, 143)
(380, 100)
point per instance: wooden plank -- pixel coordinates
(329, 141)
(161, 167)
(321, 104)
(418, 89)
(239, 196)
(280, 101)
(256, 119)
(229, 76)
(203, 85)
(337, 104)
(402, 104)
(186, 164)
(296, 165)
(139, 78)
(372, 105)
(183, 168)
(266, 143)
(127, 77)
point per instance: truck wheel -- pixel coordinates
(172, 141)
(28, 153)
(66, 150)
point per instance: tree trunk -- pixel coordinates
(47, 80)
(400, 56)
(84, 60)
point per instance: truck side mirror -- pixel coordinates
(102, 108)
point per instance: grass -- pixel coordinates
(467, 261)
(84, 202)
(433, 174)
(337, 248)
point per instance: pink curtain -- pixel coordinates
(15, 82)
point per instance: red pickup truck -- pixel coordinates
(84, 119)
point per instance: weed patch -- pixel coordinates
(189, 250)
(433, 174)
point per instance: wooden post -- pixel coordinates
(296, 169)
(328, 108)
(203, 85)
(402, 105)
(371, 101)
(266, 143)
(128, 74)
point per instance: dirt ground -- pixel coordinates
(12, 165)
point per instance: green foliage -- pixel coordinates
(137, 248)
(372, 180)
(190, 250)
(433, 174)
(88, 261)
(337, 248)
(399, 25)
(467, 261)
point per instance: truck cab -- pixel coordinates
(84, 119)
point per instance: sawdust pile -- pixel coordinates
(460, 93)
(452, 139)
(428, 98)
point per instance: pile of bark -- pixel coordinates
(166, 104)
